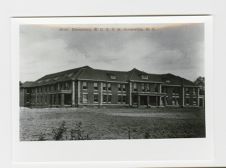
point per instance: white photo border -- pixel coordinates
(151, 152)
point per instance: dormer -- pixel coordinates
(144, 76)
(167, 81)
(112, 76)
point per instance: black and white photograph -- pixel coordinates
(108, 82)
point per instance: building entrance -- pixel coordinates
(143, 100)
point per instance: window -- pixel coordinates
(175, 91)
(187, 90)
(147, 87)
(45, 99)
(135, 87)
(95, 98)
(84, 85)
(186, 101)
(156, 88)
(85, 98)
(109, 98)
(194, 102)
(66, 86)
(123, 87)
(95, 86)
(70, 74)
(135, 99)
(164, 89)
(104, 86)
(144, 76)
(104, 98)
(109, 86)
(124, 99)
(173, 102)
(142, 87)
(119, 98)
(167, 81)
(119, 87)
(113, 77)
(193, 91)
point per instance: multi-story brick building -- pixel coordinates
(87, 86)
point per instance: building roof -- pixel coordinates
(171, 79)
(26, 84)
(88, 73)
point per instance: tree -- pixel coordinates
(200, 81)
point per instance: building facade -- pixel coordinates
(86, 86)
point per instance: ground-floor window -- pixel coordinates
(187, 101)
(104, 98)
(194, 102)
(175, 101)
(122, 99)
(95, 98)
(107, 98)
(85, 98)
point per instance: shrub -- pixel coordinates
(41, 137)
(58, 132)
(147, 135)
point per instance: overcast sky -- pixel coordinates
(177, 49)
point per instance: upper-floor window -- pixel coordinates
(201, 91)
(84, 85)
(142, 87)
(104, 86)
(164, 89)
(109, 87)
(193, 91)
(119, 87)
(167, 81)
(147, 87)
(153, 87)
(123, 87)
(95, 86)
(66, 84)
(144, 76)
(187, 90)
(176, 90)
(135, 87)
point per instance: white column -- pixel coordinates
(160, 88)
(100, 93)
(130, 93)
(182, 96)
(79, 91)
(73, 94)
(160, 91)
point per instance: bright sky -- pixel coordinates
(177, 49)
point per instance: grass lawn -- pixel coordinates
(112, 123)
